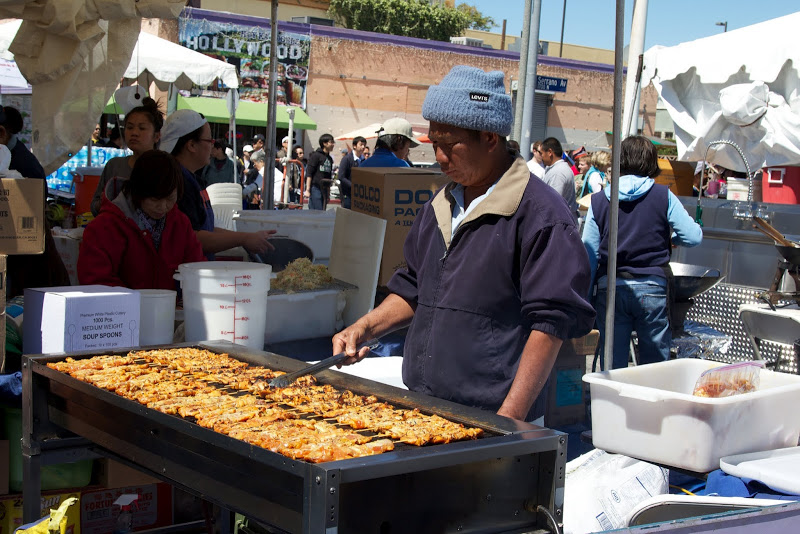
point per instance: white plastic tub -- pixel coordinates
(304, 315)
(314, 228)
(225, 300)
(649, 412)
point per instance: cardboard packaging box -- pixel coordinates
(565, 400)
(11, 511)
(395, 195)
(152, 510)
(68, 319)
(22, 223)
(111, 474)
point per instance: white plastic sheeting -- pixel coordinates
(73, 53)
(742, 86)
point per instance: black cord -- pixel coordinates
(550, 519)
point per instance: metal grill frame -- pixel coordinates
(492, 484)
(719, 308)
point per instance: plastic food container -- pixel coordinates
(649, 412)
(304, 315)
(311, 227)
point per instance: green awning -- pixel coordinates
(247, 114)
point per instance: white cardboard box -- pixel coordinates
(68, 319)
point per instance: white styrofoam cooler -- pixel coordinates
(312, 227)
(649, 412)
(308, 315)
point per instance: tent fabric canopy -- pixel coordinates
(157, 60)
(247, 113)
(742, 86)
(71, 52)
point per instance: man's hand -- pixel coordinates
(258, 242)
(348, 341)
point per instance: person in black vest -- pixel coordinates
(350, 160)
(651, 220)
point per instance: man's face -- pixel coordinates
(328, 147)
(537, 154)
(258, 144)
(461, 154)
(300, 153)
(358, 148)
(403, 152)
(286, 146)
(548, 156)
(96, 133)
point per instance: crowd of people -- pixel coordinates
(498, 270)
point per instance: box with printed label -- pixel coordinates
(22, 223)
(11, 511)
(395, 195)
(565, 398)
(68, 319)
(153, 508)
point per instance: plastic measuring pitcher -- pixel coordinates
(157, 320)
(225, 300)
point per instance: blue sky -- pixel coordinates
(669, 22)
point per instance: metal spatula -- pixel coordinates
(284, 380)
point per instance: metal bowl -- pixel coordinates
(692, 280)
(790, 254)
(286, 251)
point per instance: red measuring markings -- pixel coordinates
(224, 307)
(236, 285)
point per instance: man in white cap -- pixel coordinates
(395, 139)
(187, 136)
(496, 274)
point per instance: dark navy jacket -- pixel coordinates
(643, 245)
(515, 264)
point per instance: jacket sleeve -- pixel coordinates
(193, 251)
(685, 231)
(101, 254)
(591, 242)
(554, 282)
(345, 168)
(313, 166)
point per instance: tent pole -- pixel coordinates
(614, 214)
(523, 66)
(635, 50)
(267, 200)
(530, 80)
(286, 185)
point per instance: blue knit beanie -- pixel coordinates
(470, 98)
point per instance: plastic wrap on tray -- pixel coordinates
(701, 341)
(728, 380)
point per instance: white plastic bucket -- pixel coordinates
(225, 300)
(157, 321)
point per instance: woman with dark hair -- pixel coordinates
(139, 239)
(22, 160)
(142, 133)
(34, 270)
(651, 220)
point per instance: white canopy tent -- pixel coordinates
(742, 86)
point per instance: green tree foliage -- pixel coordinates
(477, 20)
(411, 18)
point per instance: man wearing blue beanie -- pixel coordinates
(496, 274)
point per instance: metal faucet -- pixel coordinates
(742, 210)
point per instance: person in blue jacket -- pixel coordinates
(651, 220)
(496, 277)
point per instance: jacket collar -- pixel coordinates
(504, 200)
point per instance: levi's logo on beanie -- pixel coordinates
(479, 97)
